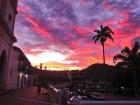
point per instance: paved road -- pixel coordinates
(115, 103)
(25, 96)
(29, 96)
(114, 97)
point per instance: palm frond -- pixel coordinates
(97, 38)
(93, 38)
(109, 36)
(109, 30)
(119, 57)
(122, 64)
(126, 50)
(112, 31)
(101, 26)
(129, 57)
(106, 28)
(96, 30)
(103, 39)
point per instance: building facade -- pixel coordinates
(12, 73)
(7, 19)
(23, 70)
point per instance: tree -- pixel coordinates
(129, 58)
(45, 67)
(102, 35)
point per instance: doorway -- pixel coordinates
(2, 68)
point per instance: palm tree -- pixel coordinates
(102, 35)
(129, 58)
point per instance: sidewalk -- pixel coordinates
(114, 97)
(25, 96)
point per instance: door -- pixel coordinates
(2, 68)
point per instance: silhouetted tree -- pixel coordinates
(129, 58)
(102, 35)
(45, 67)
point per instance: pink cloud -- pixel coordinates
(70, 29)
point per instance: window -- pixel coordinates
(9, 17)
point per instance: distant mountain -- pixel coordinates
(98, 72)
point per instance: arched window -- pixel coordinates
(10, 17)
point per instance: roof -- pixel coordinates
(22, 56)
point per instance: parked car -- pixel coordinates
(96, 96)
(74, 100)
(72, 93)
(67, 93)
(79, 100)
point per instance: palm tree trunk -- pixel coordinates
(103, 53)
(105, 89)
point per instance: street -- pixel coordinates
(25, 96)
(29, 96)
(115, 103)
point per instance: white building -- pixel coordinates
(17, 75)
(7, 19)
(21, 69)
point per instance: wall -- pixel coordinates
(9, 15)
(12, 70)
(4, 46)
(7, 18)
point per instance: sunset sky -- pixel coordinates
(57, 33)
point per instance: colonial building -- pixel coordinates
(7, 19)
(21, 69)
